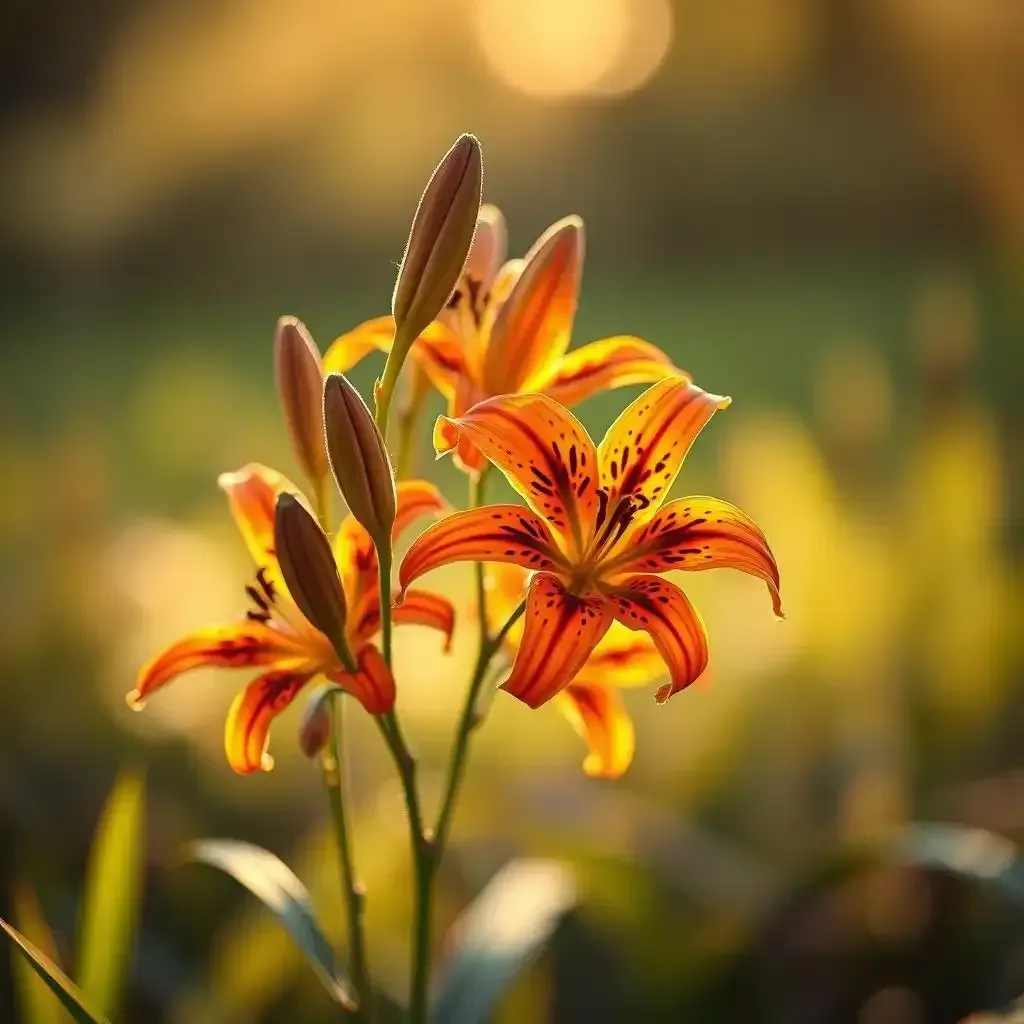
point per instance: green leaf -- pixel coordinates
(112, 895)
(270, 880)
(59, 983)
(38, 1004)
(500, 934)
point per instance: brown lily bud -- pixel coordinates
(359, 459)
(310, 571)
(439, 242)
(299, 374)
(315, 727)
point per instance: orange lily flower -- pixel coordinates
(507, 330)
(596, 533)
(276, 636)
(591, 702)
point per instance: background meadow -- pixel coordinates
(816, 208)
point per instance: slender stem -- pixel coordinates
(384, 392)
(353, 890)
(408, 416)
(468, 722)
(384, 558)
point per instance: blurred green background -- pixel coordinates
(815, 207)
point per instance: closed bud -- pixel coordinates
(359, 459)
(316, 724)
(310, 571)
(299, 374)
(439, 241)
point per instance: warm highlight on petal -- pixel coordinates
(624, 658)
(534, 325)
(643, 451)
(240, 645)
(559, 634)
(442, 354)
(609, 363)
(372, 685)
(371, 336)
(416, 498)
(424, 608)
(661, 609)
(495, 533)
(597, 713)
(543, 450)
(700, 533)
(247, 730)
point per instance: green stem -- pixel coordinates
(352, 889)
(384, 558)
(384, 392)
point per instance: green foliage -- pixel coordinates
(272, 882)
(500, 935)
(112, 895)
(71, 997)
(35, 1000)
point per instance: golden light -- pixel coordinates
(561, 48)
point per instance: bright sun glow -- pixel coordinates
(561, 48)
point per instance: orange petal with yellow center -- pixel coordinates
(534, 324)
(252, 495)
(240, 645)
(560, 632)
(643, 451)
(494, 533)
(543, 450)
(247, 730)
(609, 363)
(699, 533)
(596, 712)
(624, 658)
(372, 685)
(662, 610)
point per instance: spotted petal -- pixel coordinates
(661, 609)
(643, 451)
(609, 363)
(699, 533)
(560, 632)
(372, 685)
(596, 712)
(495, 533)
(543, 450)
(244, 644)
(247, 730)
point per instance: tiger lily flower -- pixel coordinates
(275, 636)
(507, 329)
(591, 702)
(597, 533)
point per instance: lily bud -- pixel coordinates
(310, 571)
(359, 459)
(299, 374)
(439, 242)
(315, 726)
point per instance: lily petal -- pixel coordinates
(700, 533)
(425, 608)
(643, 451)
(348, 349)
(534, 324)
(543, 450)
(609, 363)
(597, 713)
(247, 730)
(252, 494)
(560, 631)
(372, 685)
(241, 645)
(416, 498)
(623, 657)
(495, 533)
(661, 609)
(442, 354)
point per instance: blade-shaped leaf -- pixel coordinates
(499, 935)
(112, 894)
(271, 881)
(59, 983)
(38, 1004)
